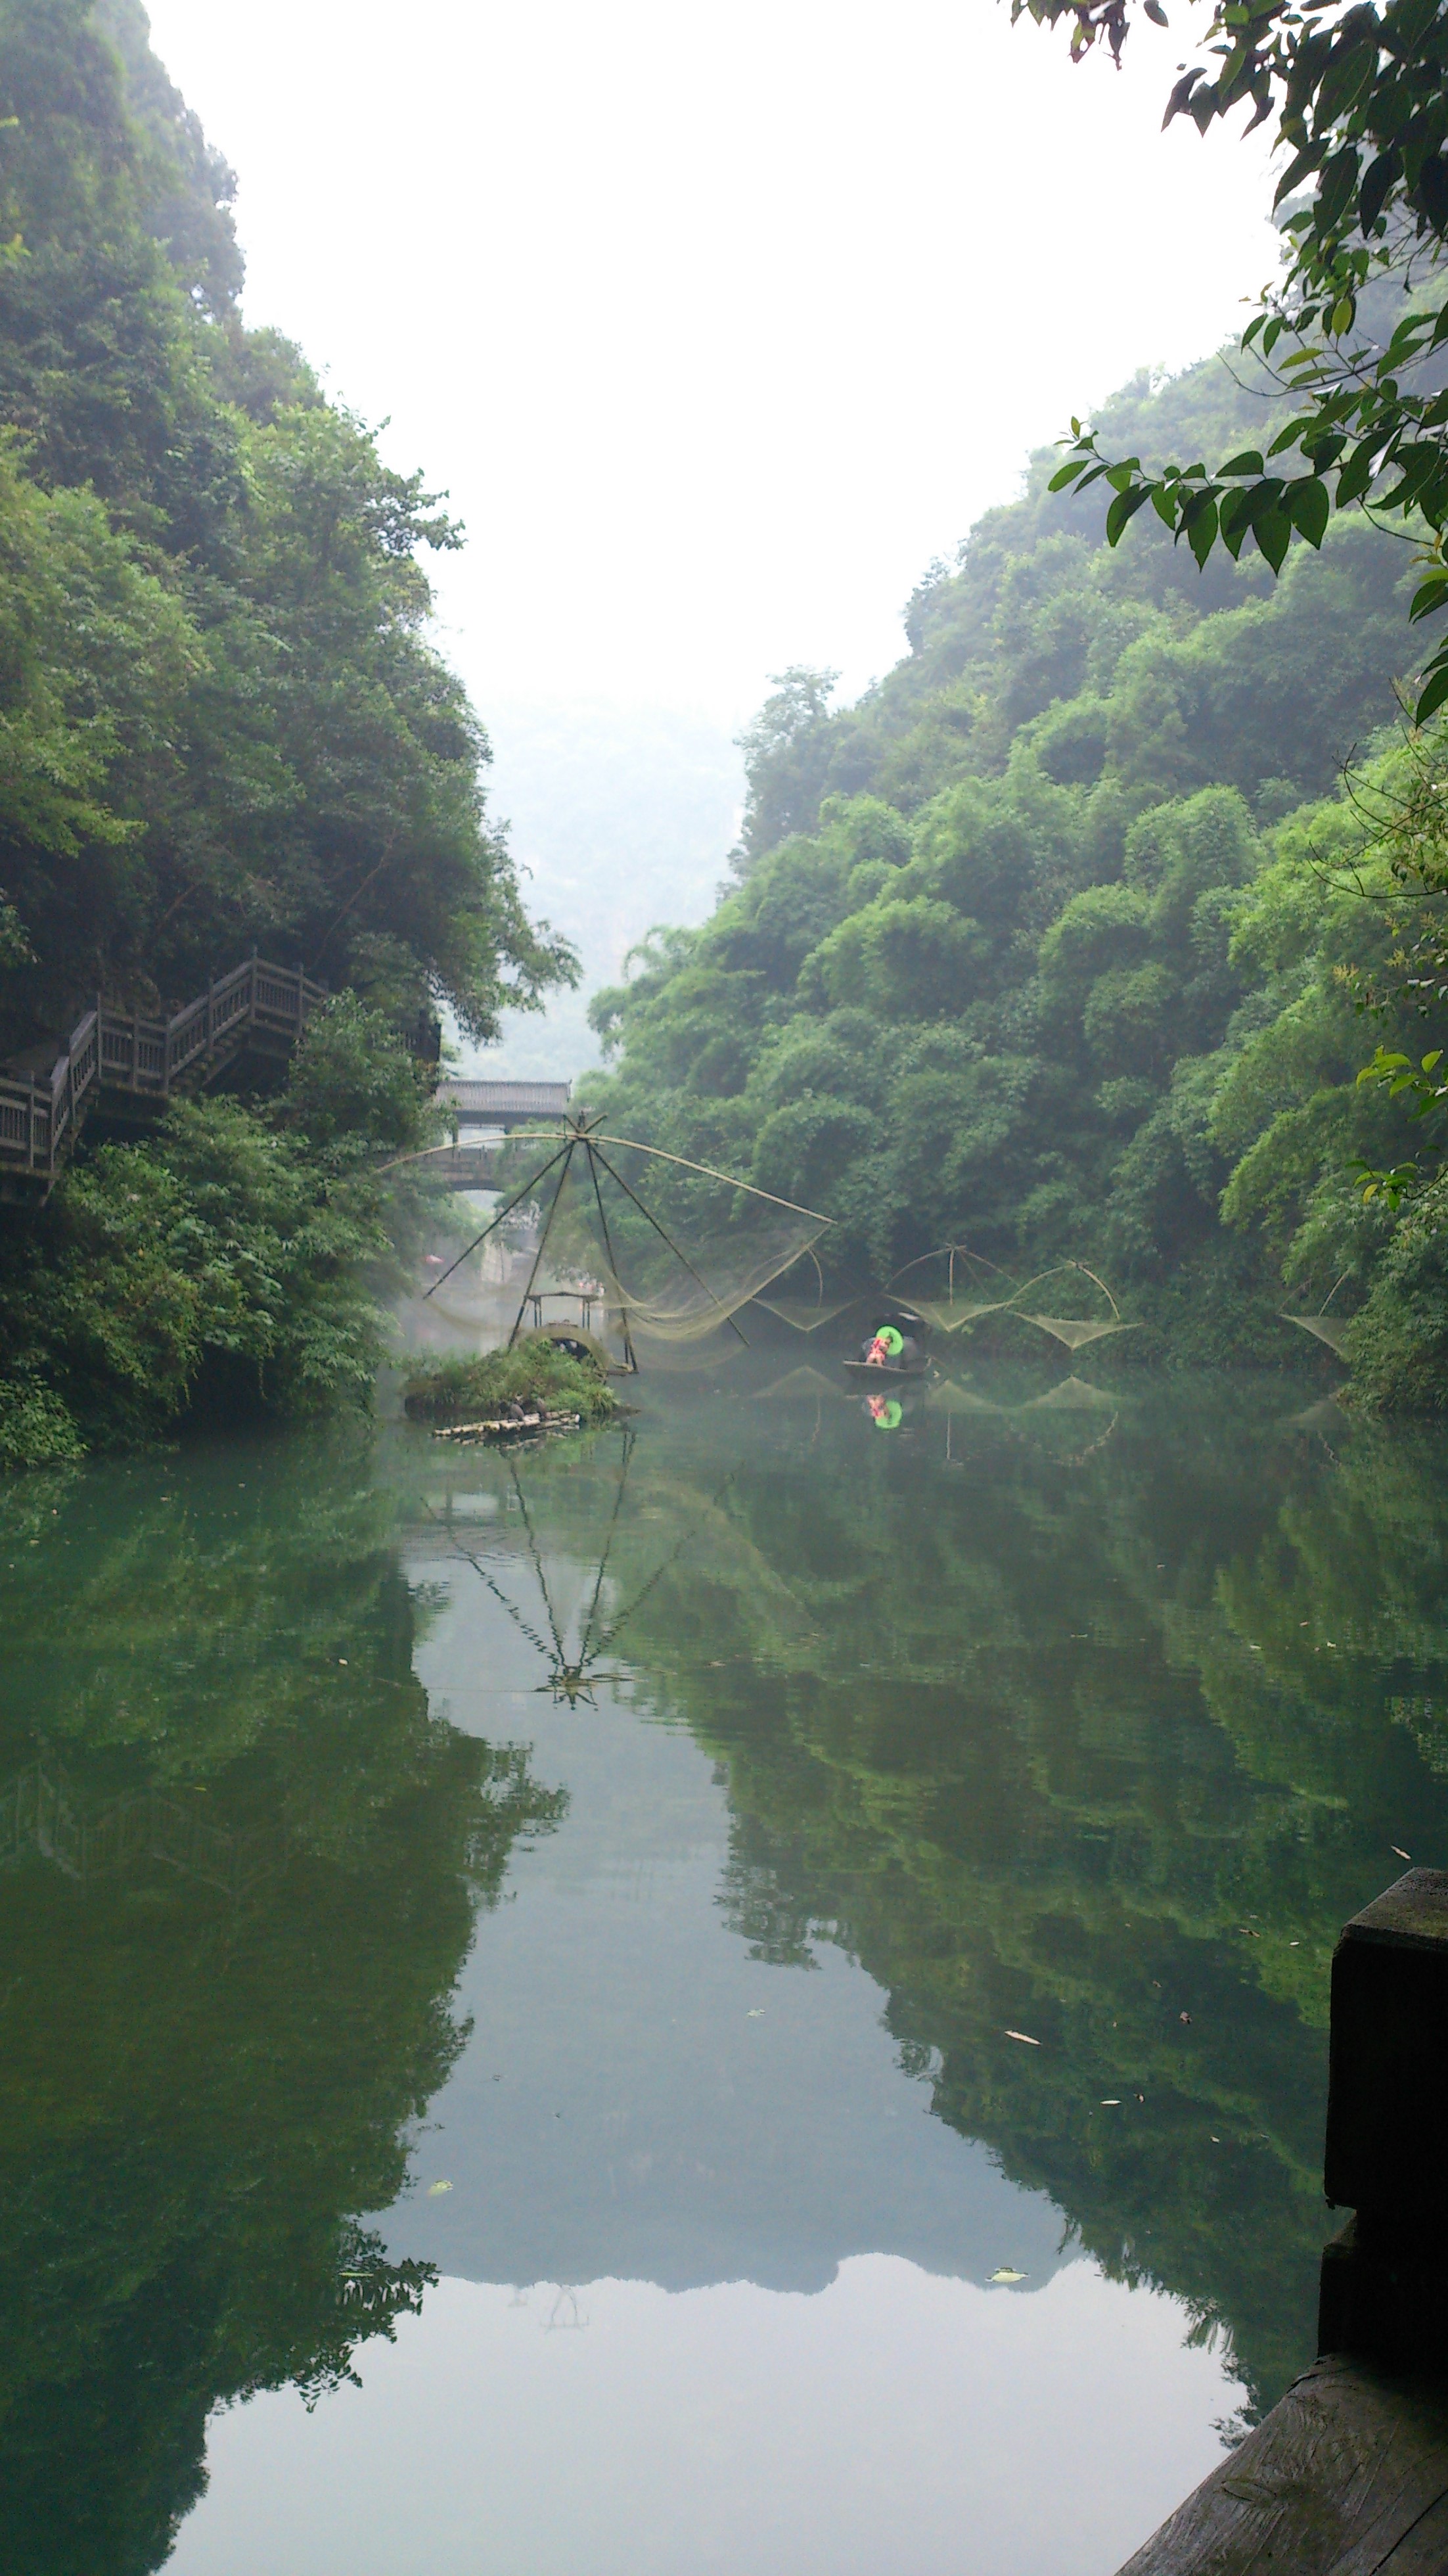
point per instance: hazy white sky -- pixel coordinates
(717, 323)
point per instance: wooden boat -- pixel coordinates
(908, 1359)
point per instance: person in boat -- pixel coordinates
(892, 1349)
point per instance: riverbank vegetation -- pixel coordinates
(1055, 942)
(222, 727)
(232, 1266)
(538, 1376)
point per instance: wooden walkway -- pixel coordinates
(1349, 2475)
(111, 1052)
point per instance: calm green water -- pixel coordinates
(508, 1974)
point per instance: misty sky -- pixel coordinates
(717, 323)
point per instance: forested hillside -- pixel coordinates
(1044, 946)
(221, 727)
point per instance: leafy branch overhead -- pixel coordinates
(1359, 97)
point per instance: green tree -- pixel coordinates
(229, 1267)
(227, 724)
(1358, 101)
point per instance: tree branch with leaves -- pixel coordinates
(1359, 99)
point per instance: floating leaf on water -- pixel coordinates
(1110, 2101)
(1024, 2037)
(756, 2012)
(1005, 2273)
(434, 2188)
(1402, 1855)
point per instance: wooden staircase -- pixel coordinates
(40, 1816)
(112, 1056)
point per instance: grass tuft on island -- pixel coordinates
(537, 1377)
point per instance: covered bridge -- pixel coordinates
(502, 1104)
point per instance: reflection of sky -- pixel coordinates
(639, 2096)
(755, 2331)
(894, 2425)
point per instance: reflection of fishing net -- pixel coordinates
(1073, 1395)
(705, 1354)
(948, 1397)
(1069, 1421)
(800, 1386)
(666, 1248)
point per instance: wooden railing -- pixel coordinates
(39, 1815)
(109, 1050)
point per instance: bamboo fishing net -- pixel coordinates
(666, 1248)
(1331, 1329)
(951, 1316)
(954, 1287)
(974, 1288)
(1072, 1330)
(802, 1312)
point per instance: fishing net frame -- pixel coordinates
(582, 1139)
(1073, 1331)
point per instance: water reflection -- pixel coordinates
(243, 1863)
(1095, 1741)
(1087, 1721)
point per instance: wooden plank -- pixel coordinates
(1347, 2477)
(1387, 2097)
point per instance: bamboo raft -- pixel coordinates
(508, 1426)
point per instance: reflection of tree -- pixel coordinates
(203, 2085)
(1050, 1751)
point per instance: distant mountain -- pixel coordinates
(621, 816)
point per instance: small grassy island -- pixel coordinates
(540, 1385)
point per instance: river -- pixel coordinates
(748, 1991)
